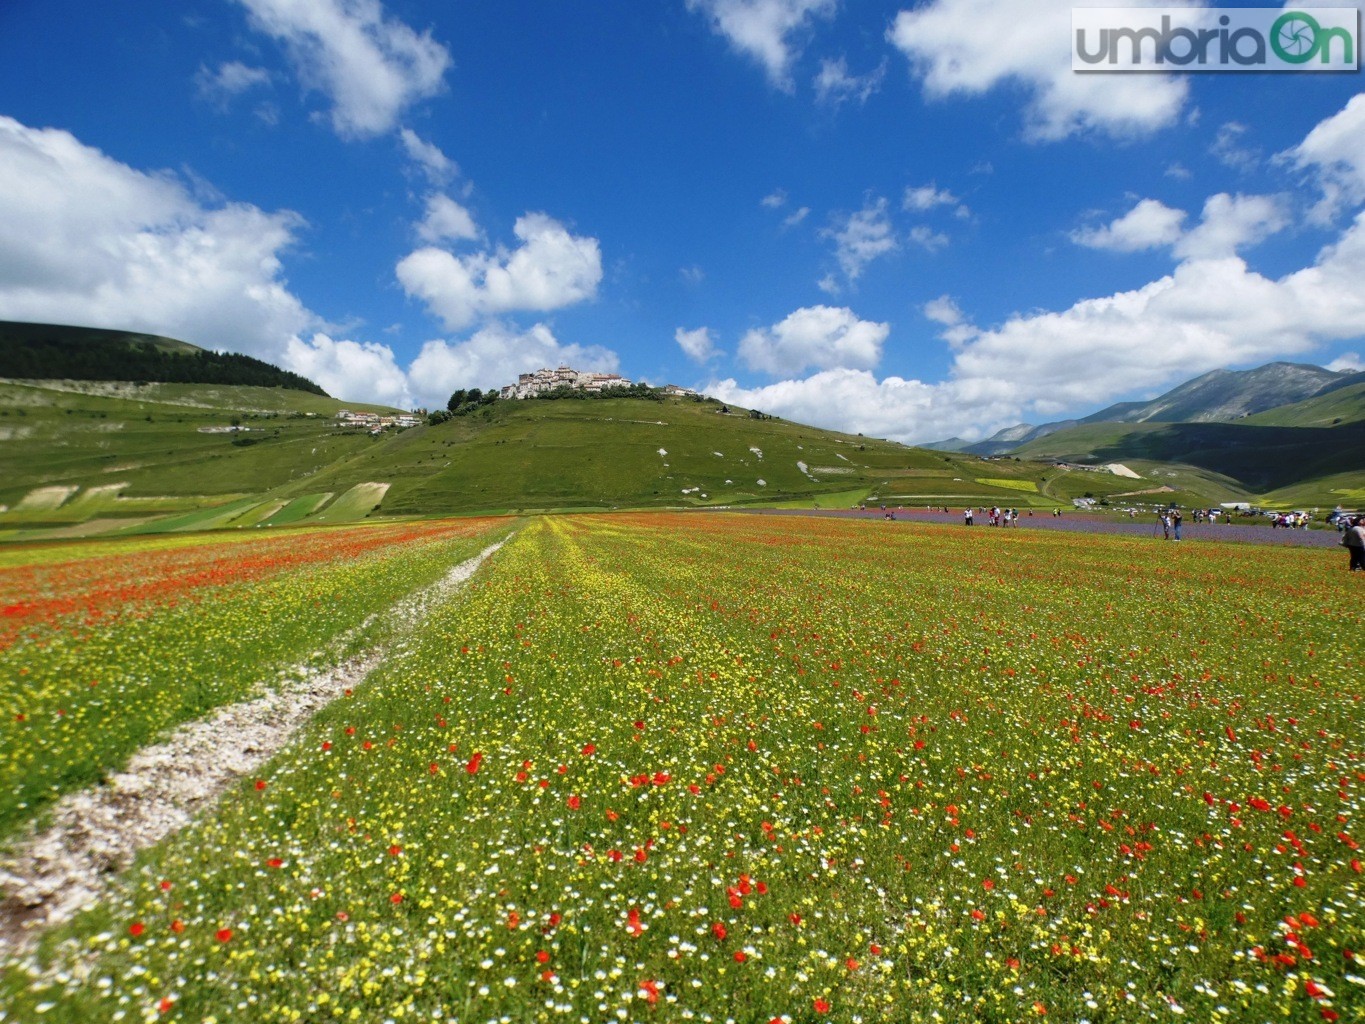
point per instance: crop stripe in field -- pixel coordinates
(53, 874)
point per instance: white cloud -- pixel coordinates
(927, 238)
(1149, 225)
(370, 66)
(494, 356)
(1208, 313)
(1227, 147)
(1231, 223)
(774, 200)
(698, 344)
(834, 85)
(1347, 362)
(550, 269)
(944, 310)
(87, 240)
(692, 275)
(819, 336)
(358, 371)
(1335, 152)
(795, 217)
(232, 78)
(861, 238)
(925, 197)
(446, 220)
(763, 29)
(438, 167)
(971, 46)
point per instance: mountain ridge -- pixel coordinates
(1218, 396)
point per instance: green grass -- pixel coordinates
(137, 451)
(740, 767)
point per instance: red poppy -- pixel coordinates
(136, 928)
(472, 766)
(821, 1006)
(223, 935)
(574, 801)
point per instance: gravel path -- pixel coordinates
(92, 835)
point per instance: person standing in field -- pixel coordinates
(1176, 519)
(967, 516)
(1165, 525)
(1354, 542)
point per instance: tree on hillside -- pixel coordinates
(456, 400)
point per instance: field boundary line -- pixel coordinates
(50, 875)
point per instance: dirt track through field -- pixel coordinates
(51, 875)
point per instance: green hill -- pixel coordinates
(101, 457)
(51, 351)
(1254, 457)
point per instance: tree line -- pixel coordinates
(56, 358)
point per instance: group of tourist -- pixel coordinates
(1290, 521)
(997, 516)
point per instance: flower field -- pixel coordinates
(104, 646)
(743, 768)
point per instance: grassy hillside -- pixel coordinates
(1253, 455)
(1330, 409)
(104, 458)
(629, 452)
(92, 450)
(89, 458)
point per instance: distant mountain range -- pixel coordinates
(1220, 396)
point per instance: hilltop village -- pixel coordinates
(545, 380)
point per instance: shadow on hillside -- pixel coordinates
(1260, 458)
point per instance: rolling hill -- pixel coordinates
(52, 351)
(102, 457)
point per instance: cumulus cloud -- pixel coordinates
(927, 238)
(438, 167)
(819, 336)
(834, 85)
(550, 269)
(765, 29)
(371, 67)
(921, 198)
(1334, 152)
(698, 345)
(969, 47)
(1231, 223)
(85, 239)
(446, 220)
(862, 237)
(349, 369)
(1347, 362)
(231, 78)
(1151, 224)
(774, 200)
(1227, 147)
(1211, 311)
(493, 356)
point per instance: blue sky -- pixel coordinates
(912, 221)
